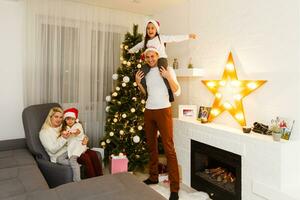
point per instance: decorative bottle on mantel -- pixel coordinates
(190, 65)
(175, 64)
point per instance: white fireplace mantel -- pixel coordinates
(270, 170)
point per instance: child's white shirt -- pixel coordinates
(159, 44)
(75, 146)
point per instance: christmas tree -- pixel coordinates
(124, 129)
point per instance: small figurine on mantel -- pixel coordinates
(190, 65)
(175, 63)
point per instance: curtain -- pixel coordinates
(72, 50)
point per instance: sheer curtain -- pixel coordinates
(72, 50)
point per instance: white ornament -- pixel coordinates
(108, 141)
(134, 98)
(111, 134)
(118, 88)
(131, 130)
(114, 94)
(126, 47)
(136, 139)
(126, 79)
(137, 156)
(121, 58)
(108, 98)
(124, 62)
(140, 128)
(121, 132)
(143, 101)
(132, 110)
(103, 143)
(139, 66)
(115, 76)
(124, 115)
(143, 109)
(134, 84)
(115, 120)
(128, 64)
(123, 84)
(107, 108)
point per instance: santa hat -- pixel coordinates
(71, 112)
(151, 49)
(155, 23)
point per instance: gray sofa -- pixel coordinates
(26, 172)
(21, 179)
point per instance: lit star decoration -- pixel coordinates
(229, 93)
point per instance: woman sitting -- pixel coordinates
(55, 145)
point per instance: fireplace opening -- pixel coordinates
(215, 171)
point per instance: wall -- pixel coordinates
(264, 39)
(11, 59)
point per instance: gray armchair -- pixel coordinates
(33, 119)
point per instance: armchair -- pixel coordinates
(33, 118)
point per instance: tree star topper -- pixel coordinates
(229, 93)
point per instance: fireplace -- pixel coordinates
(215, 171)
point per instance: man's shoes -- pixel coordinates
(174, 196)
(150, 182)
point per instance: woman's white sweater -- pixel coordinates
(53, 144)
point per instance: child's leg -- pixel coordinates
(145, 69)
(162, 62)
(63, 159)
(76, 168)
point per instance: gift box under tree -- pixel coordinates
(118, 164)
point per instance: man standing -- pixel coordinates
(158, 117)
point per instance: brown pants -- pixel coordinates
(161, 120)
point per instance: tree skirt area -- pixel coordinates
(185, 193)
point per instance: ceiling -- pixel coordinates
(145, 7)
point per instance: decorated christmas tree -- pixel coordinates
(124, 129)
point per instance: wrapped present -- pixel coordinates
(163, 177)
(118, 164)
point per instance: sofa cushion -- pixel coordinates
(19, 180)
(122, 186)
(14, 158)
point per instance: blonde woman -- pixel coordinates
(55, 143)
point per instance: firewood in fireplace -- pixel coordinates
(229, 178)
(212, 170)
(217, 173)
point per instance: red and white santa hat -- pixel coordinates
(155, 23)
(151, 49)
(71, 112)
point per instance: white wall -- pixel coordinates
(11, 59)
(264, 38)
